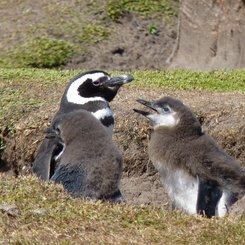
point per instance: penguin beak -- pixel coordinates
(119, 80)
(147, 104)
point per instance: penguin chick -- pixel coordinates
(197, 174)
(91, 91)
(90, 165)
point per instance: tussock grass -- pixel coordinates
(66, 220)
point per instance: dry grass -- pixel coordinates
(64, 220)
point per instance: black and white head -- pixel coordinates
(92, 86)
(169, 113)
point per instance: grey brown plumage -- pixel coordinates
(90, 165)
(91, 91)
(179, 148)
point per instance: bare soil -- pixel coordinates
(222, 116)
(131, 46)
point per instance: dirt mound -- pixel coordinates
(123, 50)
(133, 42)
(238, 209)
(222, 116)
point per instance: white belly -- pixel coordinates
(182, 188)
(222, 206)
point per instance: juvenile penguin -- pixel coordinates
(90, 165)
(91, 91)
(199, 176)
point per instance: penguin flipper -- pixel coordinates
(216, 165)
(45, 161)
(209, 194)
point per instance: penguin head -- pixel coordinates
(169, 113)
(94, 86)
(75, 124)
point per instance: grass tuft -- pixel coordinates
(66, 220)
(117, 9)
(43, 52)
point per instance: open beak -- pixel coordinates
(119, 80)
(147, 104)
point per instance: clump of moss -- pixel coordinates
(117, 9)
(44, 52)
(93, 33)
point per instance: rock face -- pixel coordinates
(210, 35)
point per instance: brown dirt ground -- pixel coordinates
(222, 116)
(131, 46)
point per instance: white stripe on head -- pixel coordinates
(72, 94)
(102, 113)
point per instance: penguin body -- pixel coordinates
(91, 91)
(90, 165)
(198, 175)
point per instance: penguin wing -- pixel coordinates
(211, 163)
(209, 194)
(45, 161)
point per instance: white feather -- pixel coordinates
(73, 94)
(102, 113)
(168, 120)
(181, 187)
(221, 208)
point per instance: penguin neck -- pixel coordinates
(99, 109)
(91, 106)
(180, 131)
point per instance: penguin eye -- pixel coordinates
(166, 109)
(100, 81)
(96, 83)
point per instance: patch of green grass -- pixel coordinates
(153, 30)
(116, 9)
(219, 81)
(26, 90)
(93, 33)
(43, 52)
(65, 220)
(42, 27)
